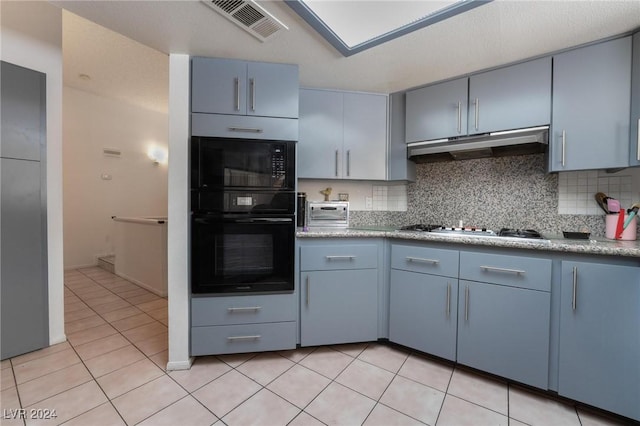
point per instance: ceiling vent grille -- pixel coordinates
(247, 14)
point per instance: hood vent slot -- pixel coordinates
(249, 16)
(516, 142)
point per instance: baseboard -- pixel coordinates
(180, 365)
(143, 285)
(57, 339)
(70, 268)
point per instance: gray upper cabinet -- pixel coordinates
(510, 98)
(23, 117)
(436, 112)
(507, 98)
(591, 107)
(599, 338)
(230, 86)
(634, 152)
(343, 135)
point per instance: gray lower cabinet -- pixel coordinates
(239, 324)
(423, 299)
(599, 336)
(338, 293)
(634, 151)
(591, 107)
(504, 316)
(343, 135)
(24, 289)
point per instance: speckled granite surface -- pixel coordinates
(504, 192)
(599, 246)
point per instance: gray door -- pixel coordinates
(23, 277)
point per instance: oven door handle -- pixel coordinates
(265, 220)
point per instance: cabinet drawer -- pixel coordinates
(242, 309)
(225, 339)
(425, 260)
(346, 256)
(248, 127)
(514, 271)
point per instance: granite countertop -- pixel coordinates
(551, 243)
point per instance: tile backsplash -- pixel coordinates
(576, 191)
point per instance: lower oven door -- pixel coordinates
(240, 255)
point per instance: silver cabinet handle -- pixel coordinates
(236, 83)
(638, 143)
(494, 269)
(564, 146)
(574, 298)
(477, 104)
(244, 309)
(245, 129)
(459, 117)
(422, 260)
(252, 91)
(448, 299)
(340, 257)
(236, 338)
(348, 162)
(337, 162)
(308, 287)
(466, 303)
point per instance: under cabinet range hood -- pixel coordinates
(513, 142)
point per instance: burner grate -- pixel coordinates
(519, 233)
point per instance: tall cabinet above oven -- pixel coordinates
(244, 130)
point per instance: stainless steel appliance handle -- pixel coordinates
(459, 117)
(638, 143)
(337, 162)
(236, 338)
(340, 257)
(422, 260)
(252, 90)
(466, 303)
(308, 287)
(564, 145)
(496, 269)
(245, 129)
(244, 309)
(348, 162)
(448, 299)
(574, 298)
(477, 112)
(236, 83)
(266, 220)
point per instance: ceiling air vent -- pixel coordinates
(248, 15)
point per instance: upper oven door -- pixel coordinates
(238, 164)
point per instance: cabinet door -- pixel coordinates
(591, 107)
(23, 112)
(218, 86)
(272, 90)
(510, 98)
(438, 111)
(365, 136)
(504, 331)
(338, 307)
(423, 312)
(599, 336)
(320, 142)
(634, 151)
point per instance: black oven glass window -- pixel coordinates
(245, 255)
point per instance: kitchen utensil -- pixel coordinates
(601, 199)
(613, 205)
(620, 225)
(632, 212)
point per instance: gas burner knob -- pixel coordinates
(484, 229)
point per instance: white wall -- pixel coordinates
(31, 36)
(137, 186)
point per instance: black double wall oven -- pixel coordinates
(243, 215)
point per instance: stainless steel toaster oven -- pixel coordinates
(329, 214)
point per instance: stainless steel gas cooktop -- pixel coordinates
(472, 231)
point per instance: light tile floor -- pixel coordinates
(111, 372)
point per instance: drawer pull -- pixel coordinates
(421, 260)
(494, 269)
(245, 129)
(574, 296)
(236, 338)
(244, 309)
(448, 299)
(340, 257)
(466, 304)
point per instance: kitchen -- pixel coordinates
(180, 345)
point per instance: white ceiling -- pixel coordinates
(135, 68)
